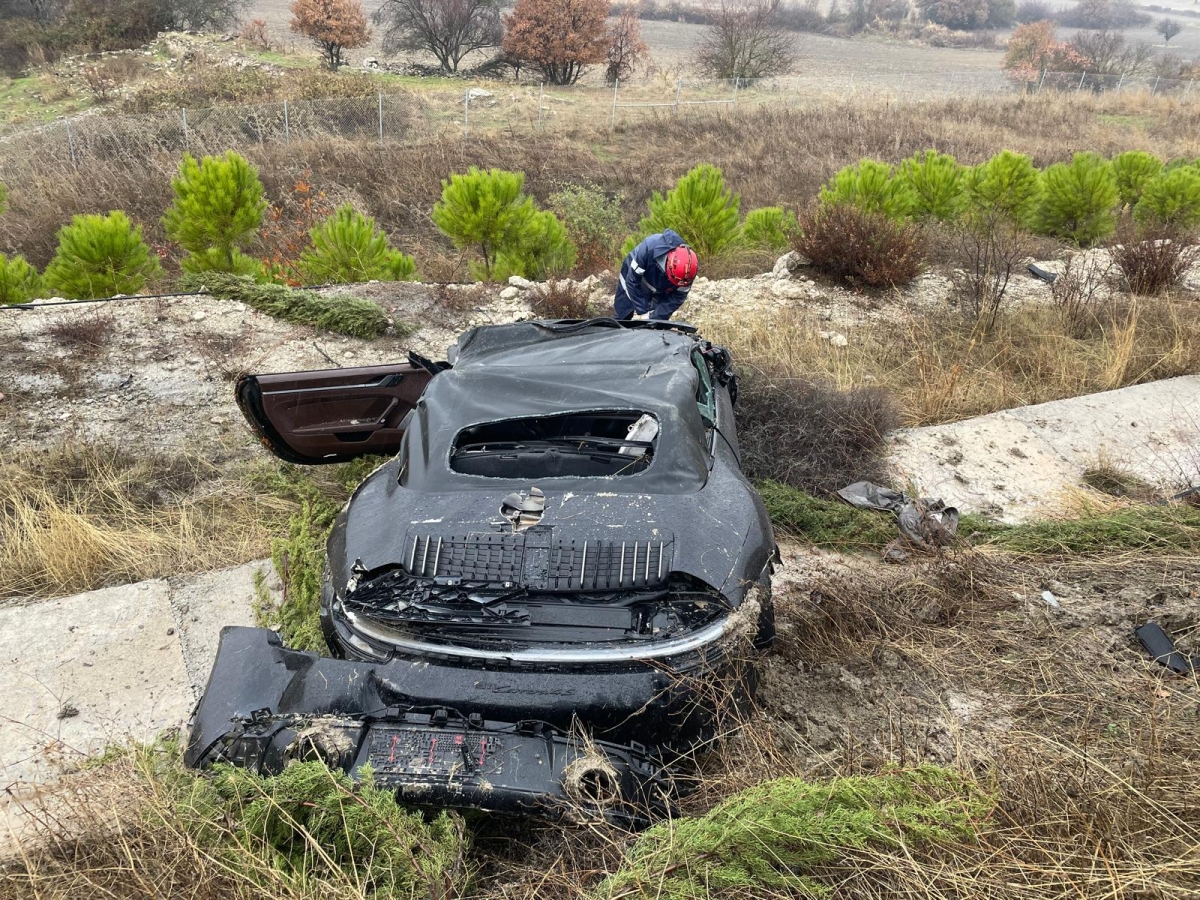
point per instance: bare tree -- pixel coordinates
(746, 41)
(201, 14)
(1108, 53)
(1168, 28)
(449, 29)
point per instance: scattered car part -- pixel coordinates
(925, 525)
(1042, 274)
(1160, 646)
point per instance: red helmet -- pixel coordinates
(681, 266)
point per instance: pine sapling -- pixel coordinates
(769, 227)
(700, 209)
(1007, 183)
(100, 256)
(19, 281)
(1133, 170)
(347, 248)
(1171, 199)
(217, 212)
(1078, 199)
(935, 182)
(485, 211)
(872, 187)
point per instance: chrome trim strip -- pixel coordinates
(406, 644)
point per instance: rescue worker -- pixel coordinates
(655, 277)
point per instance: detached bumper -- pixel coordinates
(266, 706)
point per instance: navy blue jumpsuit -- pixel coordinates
(644, 286)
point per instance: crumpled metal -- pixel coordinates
(925, 525)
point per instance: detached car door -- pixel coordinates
(331, 415)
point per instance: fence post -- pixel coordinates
(737, 81)
(1079, 87)
(1155, 89)
(466, 112)
(541, 97)
(1120, 82)
(287, 128)
(71, 144)
(1040, 80)
(616, 87)
(678, 88)
(1187, 90)
(187, 140)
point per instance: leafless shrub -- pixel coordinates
(559, 300)
(860, 247)
(256, 35)
(87, 333)
(1151, 260)
(449, 29)
(990, 249)
(810, 435)
(746, 40)
(459, 298)
(1081, 295)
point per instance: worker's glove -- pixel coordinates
(641, 317)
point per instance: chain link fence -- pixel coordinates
(521, 107)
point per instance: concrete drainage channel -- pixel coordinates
(85, 672)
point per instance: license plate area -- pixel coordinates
(410, 751)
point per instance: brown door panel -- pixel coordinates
(331, 415)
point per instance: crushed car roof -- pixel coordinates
(538, 369)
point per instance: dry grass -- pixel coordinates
(84, 517)
(941, 370)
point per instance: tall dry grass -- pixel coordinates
(87, 516)
(942, 369)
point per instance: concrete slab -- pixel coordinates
(83, 672)
(1017, 464)
(204, 604)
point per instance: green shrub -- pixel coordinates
(100, 256)
(700, 209)
(343, 315)
(542, 250)
(217, 211)
(935, 181)
(769, 227)
(872, 187)
(1008, 182)
(308, 826)
(1171, 199)
(786, 837)
(19, 281)
(486, 211)
(593, 220)
(347, 247)
(1133, 170)
(1078, 199)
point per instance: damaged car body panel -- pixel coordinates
(543, 602)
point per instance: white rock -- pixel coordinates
(518, 282)
(217, 420)
(788, 263)
(788, 289)
(834, 337)
(510, 293)
(370, 63)
(199, 316)
(478, 94)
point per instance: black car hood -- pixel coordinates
(632, 538)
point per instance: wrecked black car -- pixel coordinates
(542, 603)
